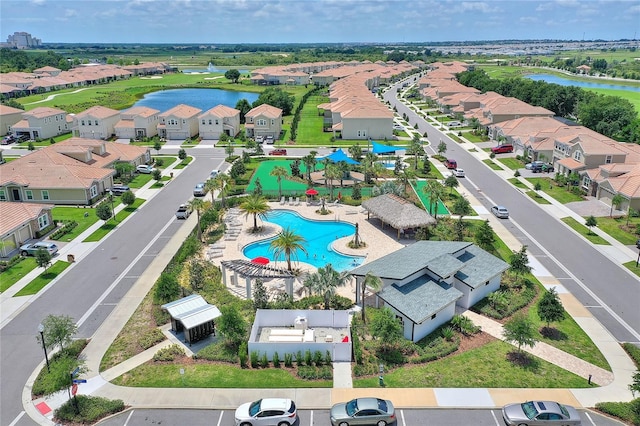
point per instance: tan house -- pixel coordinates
(180, 122)
(137, 123)
(218, 120)
(263, 120)
(616, 180)
(97, 122)
(73, 172)
(21, 222)
(8, 117)
(41, 123)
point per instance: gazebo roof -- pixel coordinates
(192, 311)
(249, 269)
(398, 212)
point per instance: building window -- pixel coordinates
(93, 190)
(577, 155)
(29, 194)
(82, 121)
(400, 320)
(3, 195)
(96, 122)
(204, 122)
(608, 159)
(261, 122)
(45, 195)
(217, 122)
(43, 221)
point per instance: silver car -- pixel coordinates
(500, 212)
(540, 413)
(267, 412)
(199, 190)
(363, 411)
(31, 249)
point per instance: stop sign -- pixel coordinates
(74, 389)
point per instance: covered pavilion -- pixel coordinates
(398, 212)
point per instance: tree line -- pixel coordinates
(21, 60)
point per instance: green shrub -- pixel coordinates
(627, 411)
(159, 162)
(4, 265)
(633, 351)
(264, 362)
(220, 352)
(254, 359)
(448, 333)
(276, 359)
(308, 359)
(90, 409)
(243, 354)
(327, 358)
(67, 226)
(318, 358)
(299, 359)
(169, 353)
(150, 338)
(288, 360)
(41, 233)
(60, 364)
(357, 348)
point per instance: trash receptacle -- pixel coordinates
(71, 258)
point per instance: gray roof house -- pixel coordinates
(423, 282)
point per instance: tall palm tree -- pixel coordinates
(331, 172)
(406, 176)
(279, 172)
(309, 162)
(223, 180)
(288, 243)
(255, 205)
(326, 281)
(416, 149)
(198, 205)
(435, 190)
(374, 283)
(211, 186)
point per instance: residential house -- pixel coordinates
(75, 171)
(619, 179)
(532, 136)
(180, 122)
(41, 123)
(218, 120)
(97, 122)
(263, 120)
(137, 123)
(423, 282)
(9, 116)
(21, 222)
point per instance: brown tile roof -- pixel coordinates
(98, 112)
(266, 110)
(15, 214)
(182, 111)
(7, 110)
(41, 112)
(221, 111)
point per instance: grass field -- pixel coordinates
(17, 272)
(585, 232)
(110, 224)
(84, 217)
(43, 279)
(559, 193)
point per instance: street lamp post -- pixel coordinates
(638, 246)
(44, 347)
(113, 210)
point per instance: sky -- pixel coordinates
(317, 21)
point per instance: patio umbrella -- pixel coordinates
(311, 192)
(260, 260)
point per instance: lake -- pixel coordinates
(204, 99)
(584, 84)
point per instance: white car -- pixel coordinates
(458, 172)
(32, 249)
(267, 411)
(500, 212)
(214, 173)
(200, 190)
(145, 168)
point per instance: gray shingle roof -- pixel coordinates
(479, 266)
(419, 299)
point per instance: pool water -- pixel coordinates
(319, 236)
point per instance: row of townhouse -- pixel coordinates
(180, 122)
(46, 79)
(606, 167)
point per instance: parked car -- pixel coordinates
(500, 212)
(32, 248)
(119, 189)
(541, 167)
(398, 127)
(199, 190)
(363, 411)
(535, 413)
(8, 140)
(214, 173)
(454, 124)
(183, 211)
(145, 168)
(502, 149)
(530, 166)
(451, 164)
(278, 151)
(269, 140)
(267, 411)
(458, 173)
(259, 139)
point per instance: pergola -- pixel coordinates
(250, 270)
(396, 211)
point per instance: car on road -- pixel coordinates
(199, 190)
(278, 151)
(363, 411)
(451, 164)
(145, 169)
(267, 411)
(502, 149)
(31, 248)
(183, 211)
(398, 127)
(500, 212)
(538, 413)
(119, 189)
(458, 173)
(214, 173)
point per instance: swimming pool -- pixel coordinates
(319, 236)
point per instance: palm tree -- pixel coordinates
(406, 176)
(309, 162)
(255, 205)
(211, 186)
(287, 242)
(196, 204)
(416, 149)
(325, 282)
(279, 172)
(374, 283)
(223, 181)
(435, 190)
(332, 172)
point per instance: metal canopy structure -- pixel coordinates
(250, 270)
(193, 315)
(338, 156)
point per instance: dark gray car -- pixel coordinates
(540, 413)
(363, 411)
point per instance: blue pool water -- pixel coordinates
(319, 236)
(204, 99)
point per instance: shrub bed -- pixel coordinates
(170, 353)
(67, 226)
(90, 409)
(60, 364)
(4, 265)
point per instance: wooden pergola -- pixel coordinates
(250, 270)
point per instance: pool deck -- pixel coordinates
(380, 242)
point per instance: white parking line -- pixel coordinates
(311, 422)
(494, 418)
(590, 419)
(402, 415)
(220, 418)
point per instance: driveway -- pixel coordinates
(593, 207)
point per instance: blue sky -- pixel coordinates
(301, 21)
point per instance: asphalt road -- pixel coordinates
(410, 417)
(102, 278)
(609, 292)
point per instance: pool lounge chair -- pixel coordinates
(290, 201)
(282, 201)
(297, 201)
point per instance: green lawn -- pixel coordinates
(184, 163)
(418, 186)
(140, 180)
(16, 272)
(474, 138)
(537, 197)
(43, 279)
(84, 217)
(511, 163)
(517, 183)
(157, 375)
(632, 267)
(491, 164)
(612, 226)
(557, 192)
(484, 367)
(110, 224)
(585, 232)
